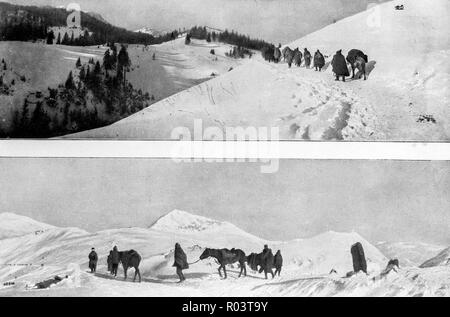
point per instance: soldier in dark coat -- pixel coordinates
(278, 262)
(109, 262)
(180, 261)
(297, 57)
(93, 258)
(115, 259)
(340, 66)
(319, 61)
(277, 54)
(267, 261)
(307, 56)
(358, 257)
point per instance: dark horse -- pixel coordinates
(259, 263)
(130, 259)
(357, 59)
(225, 257)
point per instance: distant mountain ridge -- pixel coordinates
(409, 253)
(13, 19)
(442, 259)
(13, 225)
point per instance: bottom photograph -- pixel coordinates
(162, 228)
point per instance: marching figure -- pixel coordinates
(180, 262)
(93, 258)
(115, 259)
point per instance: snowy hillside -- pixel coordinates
(63, 251)
(148, 30)
(409, 52)
(406, 95)
(174, 68)
(442, 259)
(12, 225)
(409, 254)
(183, 222)
(330, 250)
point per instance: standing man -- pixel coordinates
(278, 262)
(109, 262)
(180, 262)
(340, 66)
(93, 258)
(319, 61)
(267, 261)
(115, 259)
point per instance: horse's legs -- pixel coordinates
(225, 271)
(219, 271)
(245, 270)
(136, 272)
(139, 273)
(125, 269)
(271, 272)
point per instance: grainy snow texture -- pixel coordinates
(405, 97)
(306, 272)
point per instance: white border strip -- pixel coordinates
(230, 150)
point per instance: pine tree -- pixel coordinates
(72, 39)
(208, 38)
(107, 63)
(124, 62)
(58, 41)
(50, 37)
(24, 119)
(69, 82)
(97, 68)
(78, 64)
(65, 40)
(87, 77)
(82, 74)
(39, 123)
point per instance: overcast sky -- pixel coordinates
(382, 200)
(273, 20)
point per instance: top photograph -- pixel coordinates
(225, 70)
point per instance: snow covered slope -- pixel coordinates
(13, 225)
(406, 96)
(149, 30)
(183, 222)
(330, 250)
(409, 63)
(442, 259)
(63, 251)
(176, 67)
(255, 94)
(409, 254)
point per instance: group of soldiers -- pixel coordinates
(263, 262)
(113, 261)
(356, 58)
